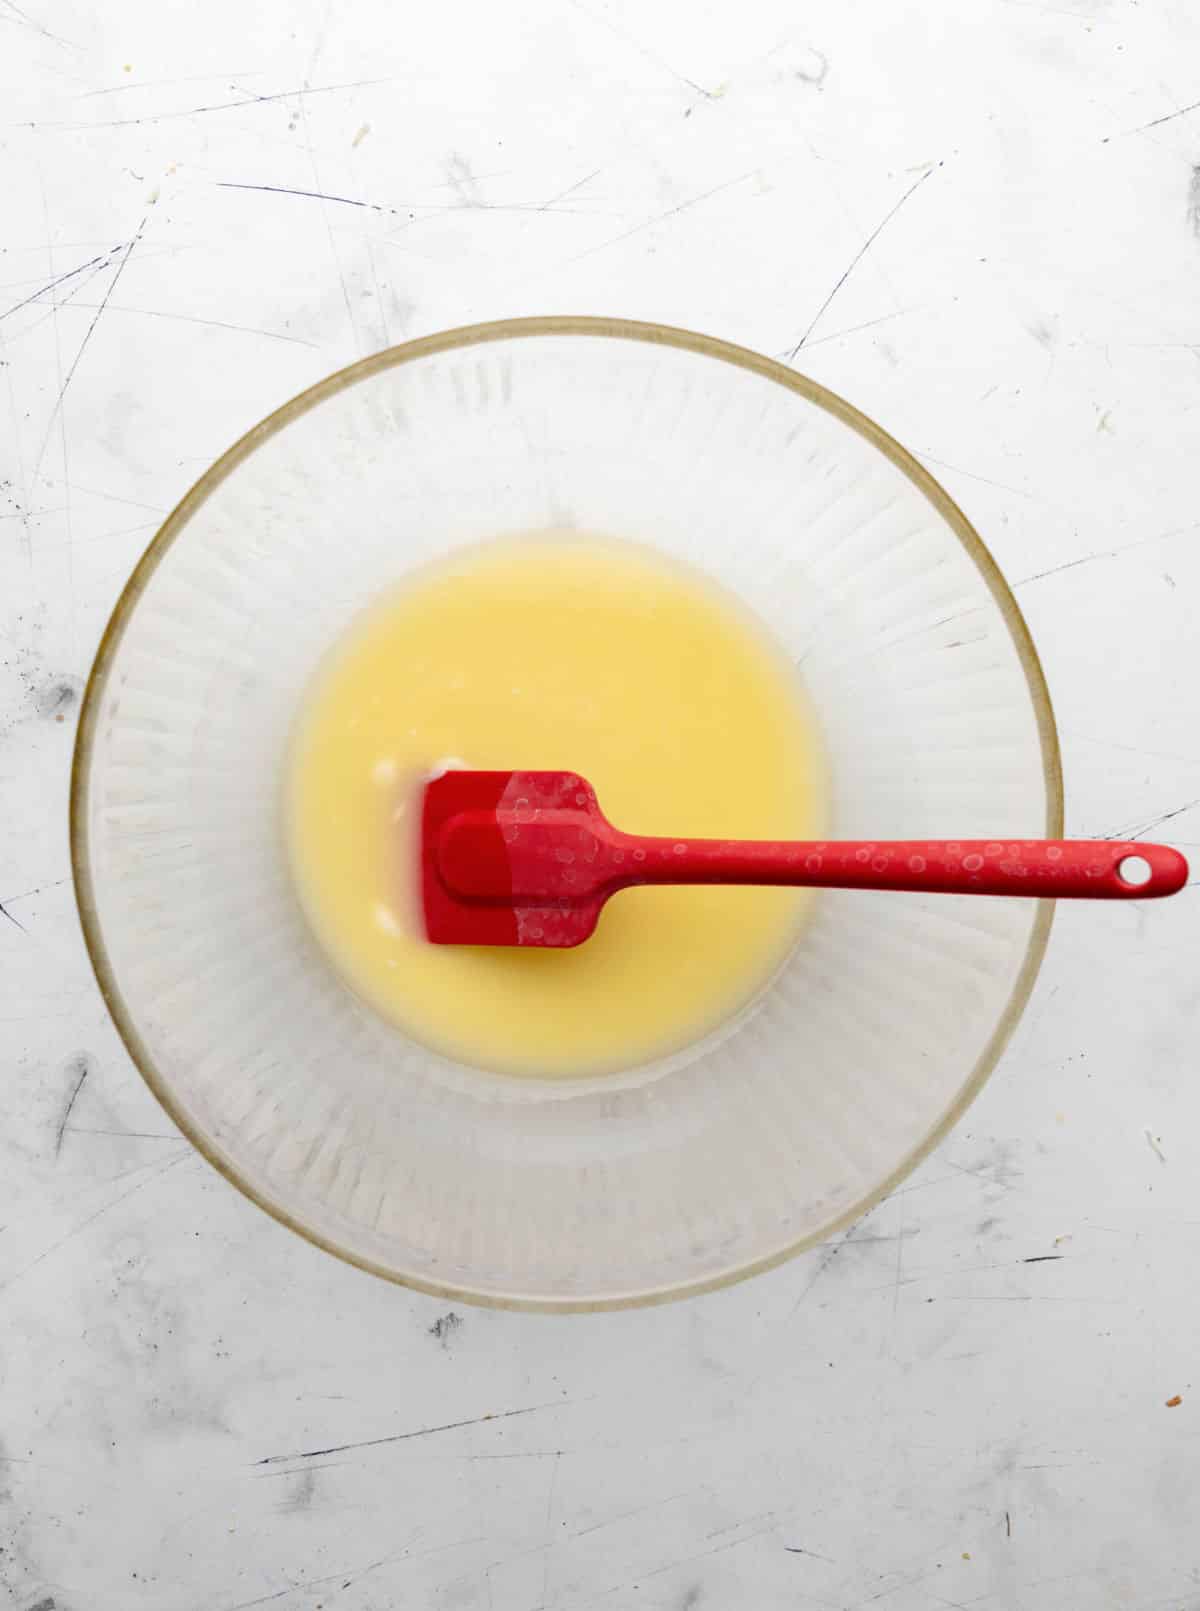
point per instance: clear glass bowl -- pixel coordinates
(667, 1179)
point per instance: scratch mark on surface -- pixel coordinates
(165, 83)
(827, 1258)
(316, 195)
(1155, 822)
(995, 1179)
(271, 1476)
(659, 218)
(62, 428)
(548, 1527)
(893, 1588)
(794, 1549)
(853, 329)
(5, 913)
(265, 1599)
(562, 195)
(923, 1185)
(1152, 1141)
(736, 1526)
(215, 324)
(129, 1135)
(114, 497)
(530, 1454)
(37, 27)
(898, 1280)
(115, 1202)
(60, 280)
(859, 255)
(1007, 1525)
(685, 1560)
(380, 305)
(405, 210)
(1043, 1258)
(18, 456)
(1024, 1297)
(403, 1437)
(294, 1588)
(1069, 565)
(1154, 123)
(351, 1574)
(220, 106)
(302, 112)
(638, 1510)
(1002, 486)
(28, 894)
(124, 531)
(1130, 749)
(644, 50)
(84, 1068)
(62, 391)
(1105, 553)
(63, 299)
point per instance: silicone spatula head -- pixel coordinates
(478, 818)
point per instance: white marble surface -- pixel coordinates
(982, 225)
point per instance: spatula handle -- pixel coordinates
(1090, 869)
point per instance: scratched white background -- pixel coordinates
(982, 225)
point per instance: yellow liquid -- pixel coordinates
(585, 654)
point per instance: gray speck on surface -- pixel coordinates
(445, 1326)
(814, 67)
(302, 1495)
(462, 181)
(55, 699)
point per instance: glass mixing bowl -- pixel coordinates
(663, 1180)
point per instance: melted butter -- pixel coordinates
(584, 654)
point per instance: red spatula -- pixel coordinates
(528, 858)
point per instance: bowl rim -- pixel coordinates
(475, 335)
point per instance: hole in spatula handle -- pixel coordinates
(1134, 871)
